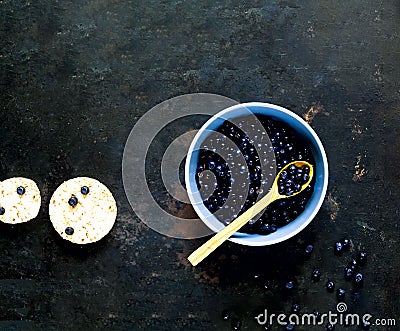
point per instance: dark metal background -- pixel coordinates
(75, 76)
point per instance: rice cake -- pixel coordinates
(20, 200)
(82, 210)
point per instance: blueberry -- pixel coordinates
(362, 258)
(289, 192)
(317, 315)
(346, 243)
(295, 308)
(20, 190)
(2, 211)
(305, 178)
(265, 228)
(358, 280)
(211, 165)
(254, 176)
(289, 183)
(267, 285)
(330, 326)
(283, 175)
(309, 250)
(306, 169)
(225, 315)
(292, 169)
(353, 264)
(338, 248)
(236, 324)
(330, 286)
(289, 327)
(84, 190)
(73, 201)
(348, 273)
(69, 231)
(316, 275)
(340, 294)
(289, 285)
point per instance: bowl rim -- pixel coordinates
(243, 238)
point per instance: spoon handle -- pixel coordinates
(210, 245)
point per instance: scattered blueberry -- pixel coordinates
(289, 327)
(330, 286)
(2, 211)
(236, 324)
(362, 258)
(317, 315)
(346, 243)
(289, 285)
(348, 273)
(84, 190)
(330, 326)
(316, 275)
(295, 308)
(225, 315)
(353, 264)
(20, 190)
(69, 231)
(309, 250)
(338, 248)
(340, 294)
(358, 280)
(73, 201)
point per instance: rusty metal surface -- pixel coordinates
(75, 76)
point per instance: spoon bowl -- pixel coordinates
(209, 246)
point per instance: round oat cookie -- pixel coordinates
(82, 210)
(19, 200)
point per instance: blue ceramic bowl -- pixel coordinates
(320, 172)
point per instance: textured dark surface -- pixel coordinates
(75, 76)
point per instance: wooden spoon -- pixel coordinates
(209, 246)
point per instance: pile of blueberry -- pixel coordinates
(292, 179)
(263, 151)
